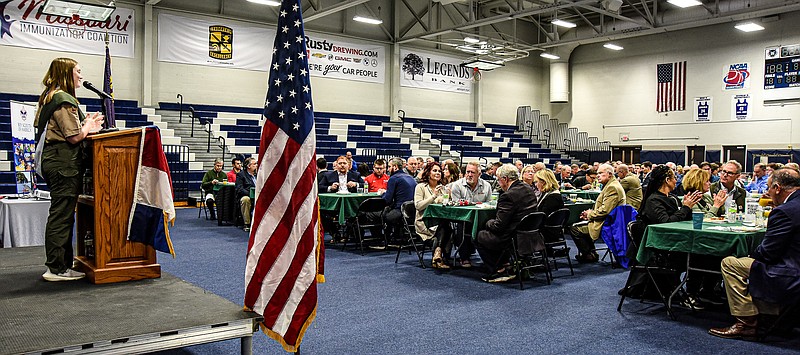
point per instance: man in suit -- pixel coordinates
(727, 182)
(585, 233)
(768, 278)
(493, 243)
(399, 189)
(341, 179)
(630, 183)
(246, 179)
(584, 182)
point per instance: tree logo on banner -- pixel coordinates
(220, 42)
(412, 65)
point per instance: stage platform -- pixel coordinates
(37, 316)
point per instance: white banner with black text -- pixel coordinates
(329, 57)
(425, 70)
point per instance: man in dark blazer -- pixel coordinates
(340, 179)
(493, 243)
(770, 277)
(245, 180)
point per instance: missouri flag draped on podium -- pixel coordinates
(671, 87)
(285, 253)
(108, 88)
(152, 196)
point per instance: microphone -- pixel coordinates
(93, 89)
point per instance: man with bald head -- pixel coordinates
(519, 164)
(585, 233)
(630, 183)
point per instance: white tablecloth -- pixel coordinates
(22, 221)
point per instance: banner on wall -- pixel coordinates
(432, 71)
(22, 25)
(22, 140)
(213, 43)
(332, 58)
(702, 109)
(736, 76)
(740, 107)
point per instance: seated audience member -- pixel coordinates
(585, 233)
(727, 183)
(566, 177)
(792, 166)
(489, 175)
(700, 180)
(341, 179)
(211, 178)
(411, 167)
(450, 173)
(550, 199)
(354, 164)
(236, 163)
(244, 181)
(378, 179)
(363, 170)
(431, 190)
(527, 178)
(429, 160)
(472, 189)
(714, 172)
(630, 183)
(576, 170)
(767, 279)
(322, 167)
(759, 183)
(399, 189)
(493, 243)
(519, 164)
(585, 182)
(775, 166)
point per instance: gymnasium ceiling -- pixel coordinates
(508, 29)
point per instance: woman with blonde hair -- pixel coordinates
(700, 180)
(550, 199)
(62, 127)
(431, 190)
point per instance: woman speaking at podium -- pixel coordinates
(61, 128)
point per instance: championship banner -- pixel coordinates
(736, 76)
(22, 139)
(211, 42)
(22, 25)
(432, 71)
(702, 109)
(740, 107)
(332, 58)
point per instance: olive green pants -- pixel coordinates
(63, 172)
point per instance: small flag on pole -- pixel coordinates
(108, 88)
(671, 87)
(285, 254)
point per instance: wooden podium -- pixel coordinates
(104, 211)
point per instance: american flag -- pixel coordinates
(671, 87)
(108, 88)
(285, 253)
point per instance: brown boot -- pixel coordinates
(744, 328)
(436, 261)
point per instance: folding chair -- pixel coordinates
(409, 229)
(635, 233)
(787, 315)
(528, 247)
(363, 220)
(553, 231)
(201, 202)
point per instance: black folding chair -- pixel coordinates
(786, 320)
(202, 204)
(635, 233)
(365, 219)
(528, 248)
(409, 229)
(555, 225)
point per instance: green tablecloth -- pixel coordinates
(345, 204)
(682, 237)
(584, 194)
(218, 186)
(477, 216)
(576, 208)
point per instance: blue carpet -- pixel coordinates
(369, 304)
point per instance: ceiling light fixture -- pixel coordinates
(88, 10)
(613, 46)
(471, 40)
(749, 27)
(266, 2)
(685, 3)
(482, 64)
(549, 56)
(563, 23)
(369, 20)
